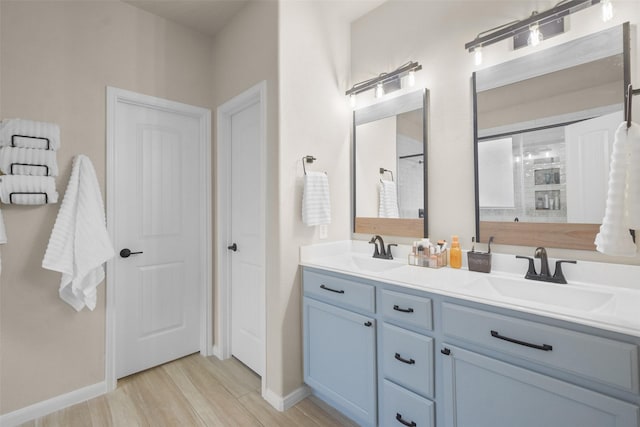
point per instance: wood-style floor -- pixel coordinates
(192, 391)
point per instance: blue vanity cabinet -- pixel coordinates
(513, 389)
(340, 344)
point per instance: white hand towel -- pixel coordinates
(39, 162)
(316, 206)
(614, 237)
(29, 130)
(388, 200)
(32, 185)
(633, 178)
(79, 244)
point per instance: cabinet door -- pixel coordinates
(339, 359)
(484, 392)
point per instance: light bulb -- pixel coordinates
(477, 53)
(607, 10)
(535, 36)
(379, 90)
(412, 78)
(352, 100)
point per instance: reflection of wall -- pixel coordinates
(409, 176)
(376, 141)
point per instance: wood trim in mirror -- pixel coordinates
(551, 235)
(390, 226)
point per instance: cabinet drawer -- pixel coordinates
(340, 291)
(607, 361)
(408, 309)
(407, 359)
(401, 407)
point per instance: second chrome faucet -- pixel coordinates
(545, 275)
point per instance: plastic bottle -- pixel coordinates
(455, 257)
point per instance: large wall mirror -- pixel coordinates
(544, 128)
(389, 167)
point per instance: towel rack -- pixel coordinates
(46, 197)
(46, 168)
(13, 140)
(383, 170)
(307, 159)
(630, 94)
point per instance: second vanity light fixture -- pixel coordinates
(535, 27)
(385, 82)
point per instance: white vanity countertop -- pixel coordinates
(601, 295)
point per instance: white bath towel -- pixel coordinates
(614, 237)
(79, 244)
(27, 190)
(28, 134)
(633, 178)
(388, 199)
(316, 205)
(28, 161)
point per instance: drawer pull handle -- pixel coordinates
(368, 324)
(404, 310)
(326, 288)
(406, 423)
(543, 347)
(408, 362)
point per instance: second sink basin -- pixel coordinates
(567, 296)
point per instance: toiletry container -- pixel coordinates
(455, 257)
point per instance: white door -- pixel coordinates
(247, 233)
(158, 219)
(589, 145)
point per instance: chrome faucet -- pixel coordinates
(379, 251)
(545, 276)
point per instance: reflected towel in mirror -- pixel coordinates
(388, 206)
(316, 204)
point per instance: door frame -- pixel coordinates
(257, 93)
(203, 115)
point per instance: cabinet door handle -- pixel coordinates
(543, 347)
(367, 324)
(408, 362)
(404, 310)
(403, 422)
(445, 351)
(326, 288)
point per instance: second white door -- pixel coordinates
(248, 235)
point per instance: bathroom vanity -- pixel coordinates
(390, 344)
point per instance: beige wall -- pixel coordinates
(434, 33)
(57, 57)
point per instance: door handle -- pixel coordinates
(126, 253)
(233, 247)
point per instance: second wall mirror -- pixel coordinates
(390, 167)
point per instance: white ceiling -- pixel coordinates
(206, 16)
(209, 16)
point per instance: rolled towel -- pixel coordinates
(388, 202)
(27, 190)
(29, 134)
(614, 237)
(316, 206)
(28, 161)
(633, 178)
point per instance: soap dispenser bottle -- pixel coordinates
(455, 257)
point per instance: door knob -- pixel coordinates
(126, 253)
(233, 247)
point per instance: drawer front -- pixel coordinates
(407, 309)
(401, 407)
(407, 359)
(345, 292)
(607, 361)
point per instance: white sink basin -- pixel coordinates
(373, 265)
(553, 294)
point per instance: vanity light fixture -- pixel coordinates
(385, 82)
(547, 23)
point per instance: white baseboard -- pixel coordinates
(288, 401)
(54, 404)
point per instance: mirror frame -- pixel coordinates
(555, 235)
(400, 227)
